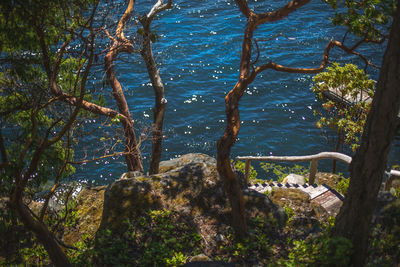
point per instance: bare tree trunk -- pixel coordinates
(246, 76)
(41, 231)
(133, 157)
(231, 182)
(160, 105)
(369, 162)
(158, 86)
(121, 44)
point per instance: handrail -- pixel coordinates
(313, 158)
(393, 174)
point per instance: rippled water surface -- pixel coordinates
(198, 53)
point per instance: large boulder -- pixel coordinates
(189, 185)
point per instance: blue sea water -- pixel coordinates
(198, 54)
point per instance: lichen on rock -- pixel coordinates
(89, 212)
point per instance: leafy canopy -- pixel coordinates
(369, 19)
(29, 113)
(347, 118)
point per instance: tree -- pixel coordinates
(121, 44)
(34, 64)
(247, 73)
(368, 164)
(43, 92)
(155, 78)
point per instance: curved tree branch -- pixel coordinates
(157, 8)
(244, 8)
(246, 76)
(121, 44)
(281, 13)
(324, 62)
(70, 99)
(124, 19)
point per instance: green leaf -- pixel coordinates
(140, 31)
(153, 37)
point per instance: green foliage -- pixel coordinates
(280, 171)
(84, 254)
(240, 166)
(369, 19)
(153, 36)
(395, 191)
(67, 217)
(319, 250)
(158, 238)
(255, 245)
(289, 212)
(116, 119)
(30, 115)
(23, 111)
(323, 251)
(177, 259)
(384, 249)
(343, 185)
(19, 19)
(35, 255)
(274, 171)
(347, 120)
(12, 237)
(21, 246)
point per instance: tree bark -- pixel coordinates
(368, 164)
(133, 156)
(225, 143)
(231, 182)
(121, 44)
(42, 233)
(158, 86)
(160, 105)
(3, 152)
(246, 76)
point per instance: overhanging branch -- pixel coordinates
(324, 62)
(281, 13)
(157, 8)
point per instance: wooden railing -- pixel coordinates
(313, 158)
(393, 174)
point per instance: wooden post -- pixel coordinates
(247, 170)
(313, 171)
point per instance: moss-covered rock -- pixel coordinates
(330, 179)
(295, 198)
(89, 211)
(189, 185)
